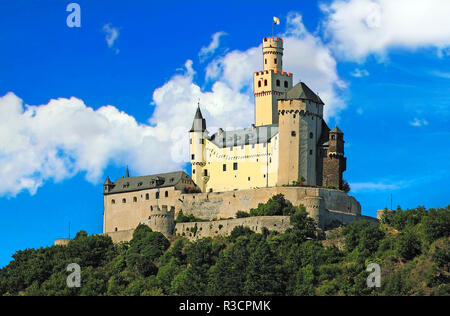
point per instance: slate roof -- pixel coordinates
(336, 130)
(253, 135)
(199, 123)
(161, 180)
(303, 92)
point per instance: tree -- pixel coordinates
(437, 224)
(409, 245)
(263, 276)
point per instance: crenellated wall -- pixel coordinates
(224, 205)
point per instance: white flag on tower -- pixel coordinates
(276, 20)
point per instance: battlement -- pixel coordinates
(275, 71)
(161, 219)
(272, 42)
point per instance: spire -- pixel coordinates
(199, 123)
(336, 130)
(108, 181)
(128, 173)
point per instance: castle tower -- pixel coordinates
(271, 83)
(108, 185)
(197, 136)
(315, 207)
(300, 125)
(334, 164)
(161, 219)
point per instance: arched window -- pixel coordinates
(113, 201)
(147, 196)
(278, 82)
(265, 82)
(134, 199)
(265, 61)
(311, 135)
(286, 84)
(275, 61)
(259, 84)
(124, 200)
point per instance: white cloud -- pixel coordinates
(373, 186)
(111, 35)
(359, 73)
(207, 51)
(56, 140)
(358, 28)
(418, 122)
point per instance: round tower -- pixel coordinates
(197, 136)
(315, 208)
(270, 84)
(273, 53)
(161, 219)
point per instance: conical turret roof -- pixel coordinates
(199, 123)
(336, 130)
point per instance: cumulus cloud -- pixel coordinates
(59, 139)
(418, 122)
(358, 28)
(111, 35)
(209, 50)
(359, 73)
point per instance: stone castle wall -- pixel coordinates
(224, 227)
(223, 205)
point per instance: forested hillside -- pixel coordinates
(412, 248)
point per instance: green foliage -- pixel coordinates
(241, 214)
(409, 245)
(181, 218)
(437, 224)
(412, 247)
(277, 205)
(240, 231)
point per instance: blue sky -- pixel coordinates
(78, 104)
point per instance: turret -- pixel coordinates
(334, 164)
(108, 185)
(273, 53)
(271, 83)
(197, 135)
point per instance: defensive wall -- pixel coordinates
(320, 204)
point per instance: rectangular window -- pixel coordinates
(248, 178)
(293, 134)
(190, 141)
(224, 167)
(192, 156)
(234, 165)
(205, 172)
(166, 194)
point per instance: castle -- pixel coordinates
(289, 150)
(289, 141)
